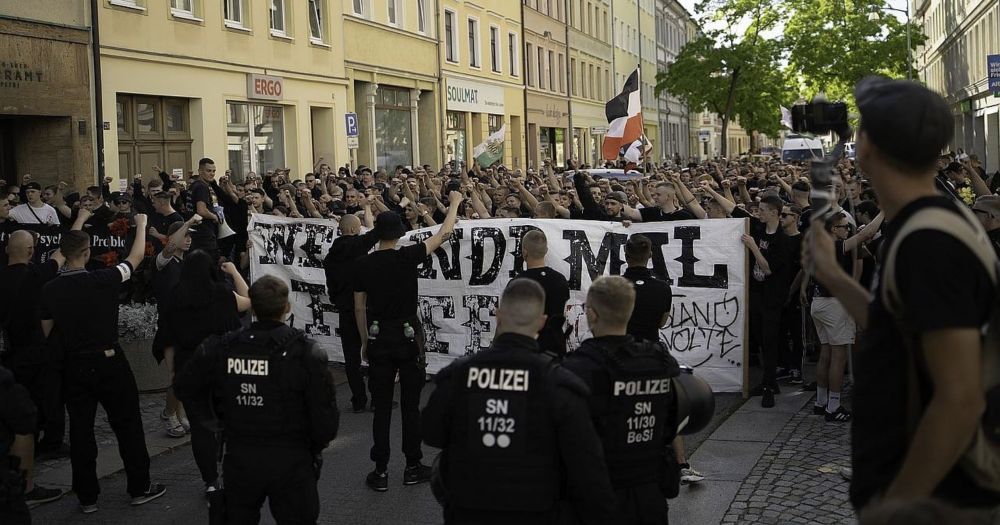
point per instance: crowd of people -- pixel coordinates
(185, 247)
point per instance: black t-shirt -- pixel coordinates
(942, 285)
(556, 294)
(84, 306)
(658, 215)
(389, 277)
(805, 219)
(186, 322)
(846, 262)
(652, 301)
(162, 223)
(341, 267)
(204, 235)
(21, 286)
(770, 290)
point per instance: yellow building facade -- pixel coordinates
(546, 81)
(482, 75)
(590, 69)
(634, 31)
(253, 85)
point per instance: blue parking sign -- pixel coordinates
(993, 72)
(351, 120)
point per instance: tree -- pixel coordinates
(832, 44)
(732, 72)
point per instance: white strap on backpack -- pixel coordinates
(981, 461)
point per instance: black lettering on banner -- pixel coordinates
(517, 234)
(426, 304)
(688, 279)
(316, 305)
(580, 253)
(479, 236)
(708, 325)
(313, 249)
(658, 240)
(450, 270)
(282, 236)
(476, 325)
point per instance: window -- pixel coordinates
(152, 131)
(450, 38)
(233, 12)
(277, 16)
(590, 81)
(422, 16)
(541, 68)
(599, 95)
(255, 137)
(474, 43)
(182, 7)
(583, 80)
(393, 127)
(494, 122)
(572, 76)
(552, 84)
(359, 8)
(315, 20)
(562, 74)
(512, 49)
(393, 11)
(495, 58)
(528, 66)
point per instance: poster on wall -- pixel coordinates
(460, 284)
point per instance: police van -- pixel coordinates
(799, 148)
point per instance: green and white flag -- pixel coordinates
(491, 150)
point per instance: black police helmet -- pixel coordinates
(695, 403)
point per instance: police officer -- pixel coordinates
(633, 403)
(518, 444)
(339, 265)
(650, 313)
(17, 445)
(385, 308)
(534, 246)
(277, 408)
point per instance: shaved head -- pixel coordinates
(20, 246)
(534, 245)
(522, 308)
(612, 299)
(350, 225)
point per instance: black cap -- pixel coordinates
(906, 121)
(388, 226)
(32, 186)
(120, 196)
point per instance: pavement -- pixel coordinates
(775, 465)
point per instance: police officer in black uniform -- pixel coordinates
(534, 246)
(633, 402)
(518, 444)
(277, 407)
(385, 307)
(17, 444)
(339, 265)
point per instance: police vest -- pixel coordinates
(503, 443)
(260, 402)
(638, 421)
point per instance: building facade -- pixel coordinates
(482, 77)
(546, 81)
(672, 21)
(590, 69)
(960, 36)
(255, 86)
(47, 123)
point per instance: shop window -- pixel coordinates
(455, 137)
(255, 138)
(393, 127)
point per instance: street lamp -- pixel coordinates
(909, 52)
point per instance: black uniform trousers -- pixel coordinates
(384, 361)
(108, 381)
(642, 505)
(284, 476)
(765, 336)
(790, 355)
(43, 382)
(204, 445)
(351, 340)
(13, 510)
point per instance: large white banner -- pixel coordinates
(704, 261)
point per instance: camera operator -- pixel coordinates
(929, 334)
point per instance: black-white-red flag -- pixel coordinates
(624, 114)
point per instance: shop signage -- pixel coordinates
(474, 97)
(16, 74)
(598, 130)
(993, 72)
(264, 87)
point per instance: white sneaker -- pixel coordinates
(186, 423)
(174, 427)
(690, 475)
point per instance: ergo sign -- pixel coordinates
(264, 87)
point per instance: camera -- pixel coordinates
(819, 118)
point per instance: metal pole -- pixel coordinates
(909, 49)
(95, 48)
